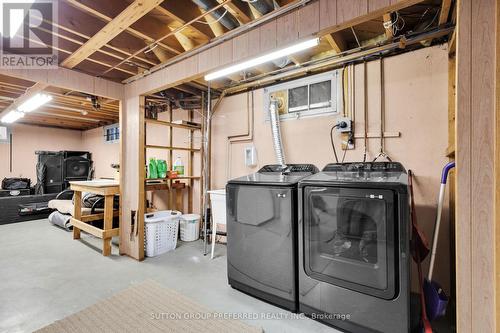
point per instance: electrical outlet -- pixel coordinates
(344, 125)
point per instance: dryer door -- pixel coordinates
(349, 238)
(261, 235)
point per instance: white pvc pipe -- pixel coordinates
(436, 230)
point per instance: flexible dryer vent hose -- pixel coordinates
(276, 131)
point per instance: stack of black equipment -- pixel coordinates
(61, 167)
(15, 187)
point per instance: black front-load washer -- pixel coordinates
(354, 259)
(262, 233)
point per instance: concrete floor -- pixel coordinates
(45, 275)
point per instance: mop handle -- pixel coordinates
(442, 191)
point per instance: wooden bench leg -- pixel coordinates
(76, 233)
(106, 247)
(108, 223)
(77, 213)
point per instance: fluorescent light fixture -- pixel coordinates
(34, 102)
(263, 59)
(12, 116)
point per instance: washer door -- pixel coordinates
(260, 229)
(349, 238)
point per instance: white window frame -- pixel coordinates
(105, 130)
(335, 108)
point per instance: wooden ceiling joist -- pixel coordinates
(336, 42)
(217, 28)
(108, 46)
(125, 19)
(239, 10)
(172, 33)
(183, 12)
(388, 26)
(444, 12)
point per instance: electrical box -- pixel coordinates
(250, 156)
(4, 134)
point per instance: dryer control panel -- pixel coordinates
(365, 167)
(289, 168)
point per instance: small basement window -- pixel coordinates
(112, 133)
(312, 96)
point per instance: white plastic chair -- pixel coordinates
(218, 205)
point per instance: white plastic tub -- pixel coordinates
(190, 227)
(218, 205)
(160, 232)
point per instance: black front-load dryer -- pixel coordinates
(262, 233)
(354, 258)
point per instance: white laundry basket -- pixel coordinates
(190, 227)
(160, 232)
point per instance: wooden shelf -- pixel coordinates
(171, 148)
(177, 178)
(169, 124)
(157, 187)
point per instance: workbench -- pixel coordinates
(106, 188)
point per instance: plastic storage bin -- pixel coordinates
(189, 227)
(160, 232)
(218, 205)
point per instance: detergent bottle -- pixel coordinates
(179, 166)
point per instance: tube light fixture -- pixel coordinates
(12, 116)
(263, 59)
(34, 102)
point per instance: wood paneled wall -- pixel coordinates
(477, 136)
(497, 172)
(315, 19)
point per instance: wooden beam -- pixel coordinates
(30, 92)
(217, 28)
(87, 37)
(186, 42)
(172, 33)
(158, 52)
(444, 12)
(125, 19)
(336, 42)
(388, 31)
(497, 173)
(239, 10)
(182, 12)
(130, 30)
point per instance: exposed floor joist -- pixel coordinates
(125, 19)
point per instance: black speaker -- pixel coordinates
(76, 167)
(72, 153)
(63, 167)
(54, 162)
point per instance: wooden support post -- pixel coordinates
(141, 205)
(170, 155)
(476, 132)
(190, 166)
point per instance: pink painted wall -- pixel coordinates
(103, 154)
(28, 139)
(416, 105)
